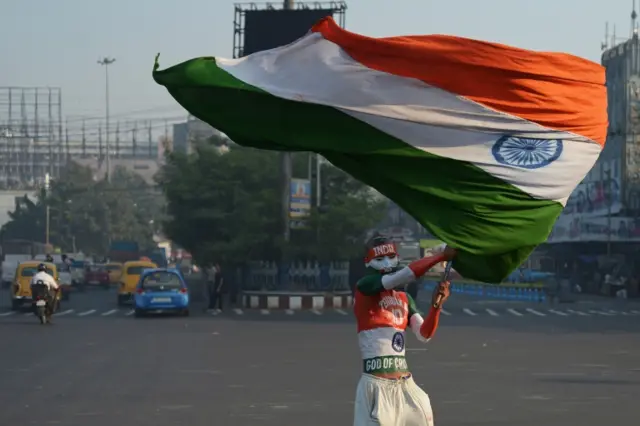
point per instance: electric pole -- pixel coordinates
(106, 61)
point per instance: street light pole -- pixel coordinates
(47, 208)
(106, 61)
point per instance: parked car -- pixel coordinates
(96, 275)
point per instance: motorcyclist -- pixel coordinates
(42, 277)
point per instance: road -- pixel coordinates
(278, 369)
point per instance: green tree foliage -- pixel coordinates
(226, 206)
(86, 214)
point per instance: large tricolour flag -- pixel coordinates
(481, 142)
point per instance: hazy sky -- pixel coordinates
(57, 42)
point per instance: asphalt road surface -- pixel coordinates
(279, 369)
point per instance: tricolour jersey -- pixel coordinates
(382, 317)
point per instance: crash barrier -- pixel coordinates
(297, 300)
(297, 276)
(534, 292)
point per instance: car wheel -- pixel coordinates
(185, 313)
(139, 313)
(15, 305)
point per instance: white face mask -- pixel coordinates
(383, 263)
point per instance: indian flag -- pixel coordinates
(482, 143)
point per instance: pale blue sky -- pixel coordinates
(57, 42)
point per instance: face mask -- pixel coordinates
(384, 264)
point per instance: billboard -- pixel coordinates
(268, 29)
(603, 183)
(300, 202)
(595, 229)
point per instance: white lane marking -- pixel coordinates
(607, 314)
(85, 313)
(580, 313)
(128, 314)
(316, 312)
(111, 312)
(238, 311)
(534, 312)
(492, 312)
(289, 312)
(469, 312)
(514, 312)
(264, 311)
(67, 312)
(6, 314)
(635, 312)
(562, 314)
(341, 312)
(445, 312)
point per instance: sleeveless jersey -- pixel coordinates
(382, 319)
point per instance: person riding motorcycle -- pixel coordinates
(42, 277)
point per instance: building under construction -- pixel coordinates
(31, 135)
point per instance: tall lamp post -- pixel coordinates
(106, 61)
(47, 184)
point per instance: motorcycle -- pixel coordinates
(42, 302)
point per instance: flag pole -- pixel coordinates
(445, 277)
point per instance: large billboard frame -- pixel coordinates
(339, 9)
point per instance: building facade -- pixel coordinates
(605, 207)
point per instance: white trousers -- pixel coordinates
(384, 402)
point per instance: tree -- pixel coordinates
(222, 207)
(87, 214)
(226, 206)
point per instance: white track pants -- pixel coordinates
(383, 402)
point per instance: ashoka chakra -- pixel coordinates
(526, 153)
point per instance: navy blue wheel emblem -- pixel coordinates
(397, 342)
(526, 153)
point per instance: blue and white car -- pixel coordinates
(161, 291)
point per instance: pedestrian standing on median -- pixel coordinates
(218, 284)
(210, 274)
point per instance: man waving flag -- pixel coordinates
(482, 143)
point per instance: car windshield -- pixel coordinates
(168, 280)
(30, 271)
(136, 270)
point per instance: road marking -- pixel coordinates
(238, 311)
(59, 314)
(562, 314)
(111, 312)
(6, 314)
(492, 312)
(582, 314)
(514, 312)
(289, 312)
(534, 312)
(128, 314)
(341, 312)
(469, 312)
(316, 312)
(264, 311)
(85, 313)
(607, 314)
(26, 314)
(635, 312)
(445, 312)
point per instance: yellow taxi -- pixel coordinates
(131, 272)
(21, 286)
(115, 270)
